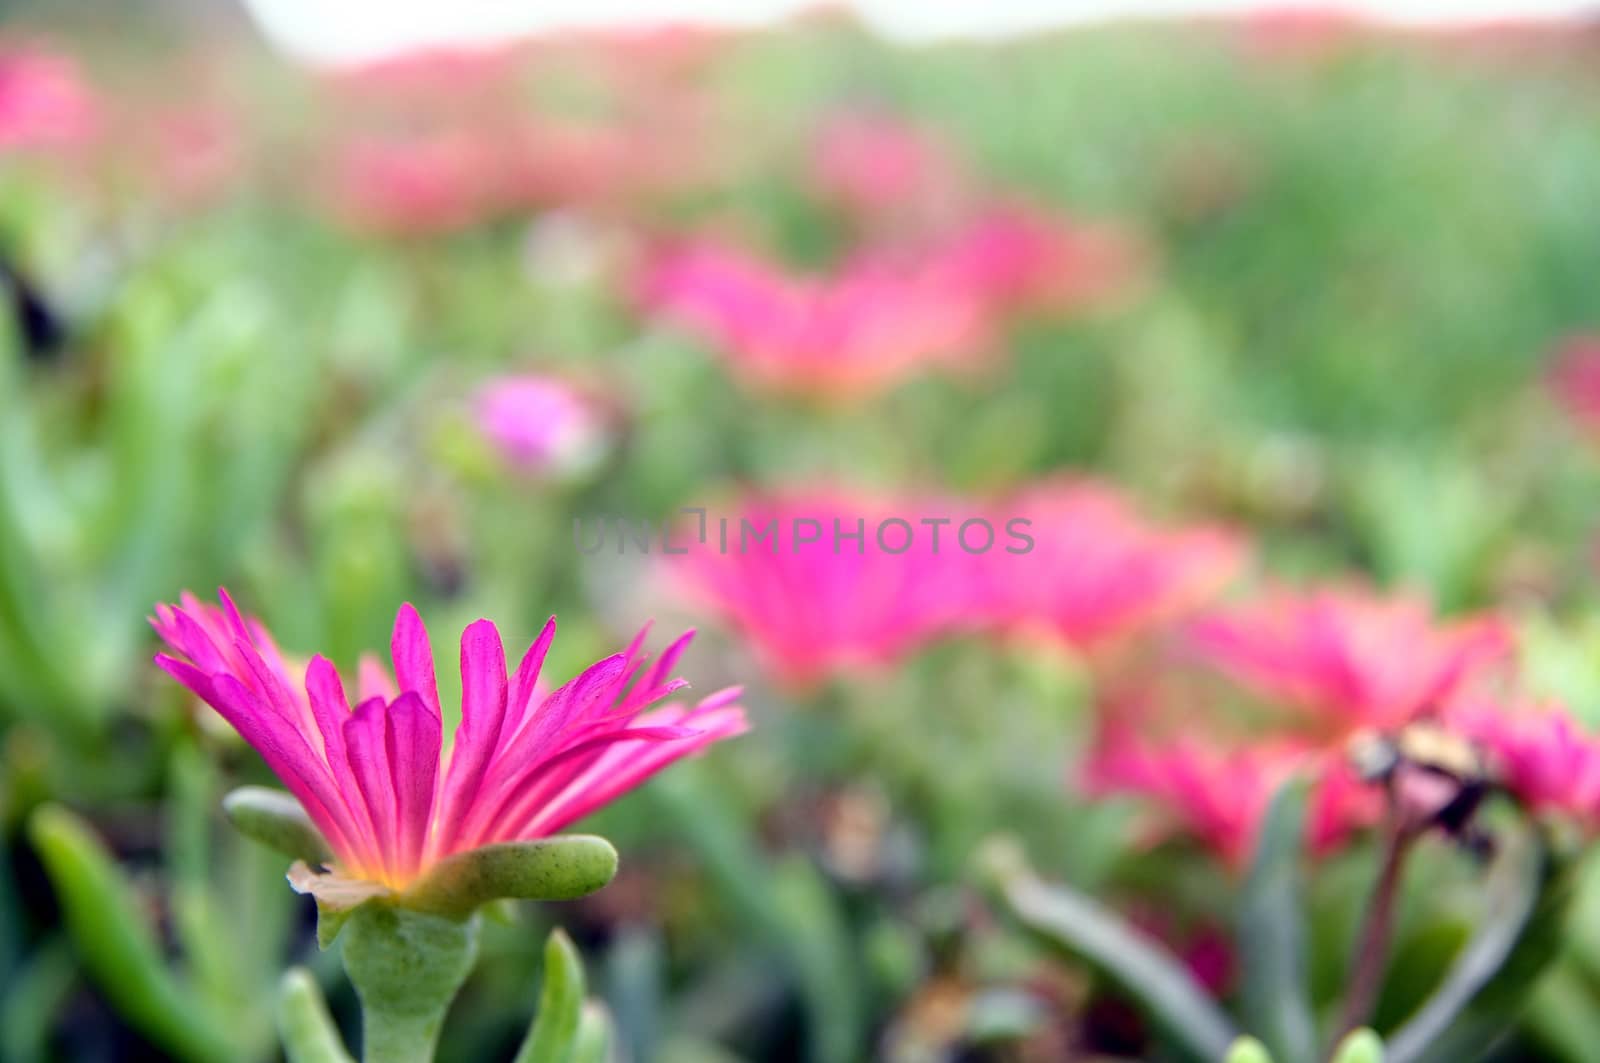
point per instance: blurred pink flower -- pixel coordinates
(1026, 260)
(1347, 657)
(1218, 791)
(875, 321)
(412, 183)
(1536, 752)
(834, 605)
(873, 164)
(198, 151)
(44, 102)
(1098, 572)
(521, 766)
(1573, 378)
(538, 424)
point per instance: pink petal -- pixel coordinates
(413, 657)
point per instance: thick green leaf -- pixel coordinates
(1074, 924)
(1359, 1046)
(550, 869)
(1529, 893)
(308, 1032)
(118, 947)
(1272, 936)
(552, 1036)
(1248, 1050)
(595, 1034)
(275, 819)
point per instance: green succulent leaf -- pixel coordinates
(407, 967)
(1072, 923)
(549, 869)
(1359, 1046)
(1271, 933)
(117, 945)
(553, 1035)
(275, 819)
(308, 1032)
(596, 1031)
(1530, 890)
(1248, 1050)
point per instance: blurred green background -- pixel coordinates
(1364, 248)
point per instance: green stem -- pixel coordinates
(1372, 953)
(406, 967)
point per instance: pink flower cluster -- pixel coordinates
(538, 424)
(1068, 559)
(45, 105)
(1332, 666)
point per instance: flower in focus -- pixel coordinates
(874, 322)
(1348, 658)
(44, 103)
(1574, 379)
(523, 765)
(538, 424)
(1097, 572)
(821, 592)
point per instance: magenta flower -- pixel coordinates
(523, 765)
(1536, 752)
(877, 320)
(870, 165)
(1574, 380)
(1215, 789)
(1023, 259)
(538, 424)
(1346, 657)
(1098, 573)
(836, 603)
(44, 103)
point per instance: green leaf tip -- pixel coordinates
(1361, 1046)
(275, 819)
(307, 1030)
(1248, 1050)
(549, 869)
(553, 1035)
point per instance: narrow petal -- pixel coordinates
(413, 657)
(414, 738)
(367, 751)
(483, 712)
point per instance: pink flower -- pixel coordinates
(1574, 380)
(413, 183)
(874, 322)
(1537, 752)
(1217, 792)
(537, 423)
(871, 165)
(1097, 572)
(44, 103)
(1347, 657)
(371, 778)
(1023, 259)
(814, 600)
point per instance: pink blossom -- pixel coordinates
(860, 330)
(1098, 572)
(538, 423)
(1347, 657)
(834, 605)
(371, 777)
(871, 164)
(1217, 792)
(1025, 260)
(1536, 751)
(44, 102)
(1574, 380)
(412, 183)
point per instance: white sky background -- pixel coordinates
(338, 31)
